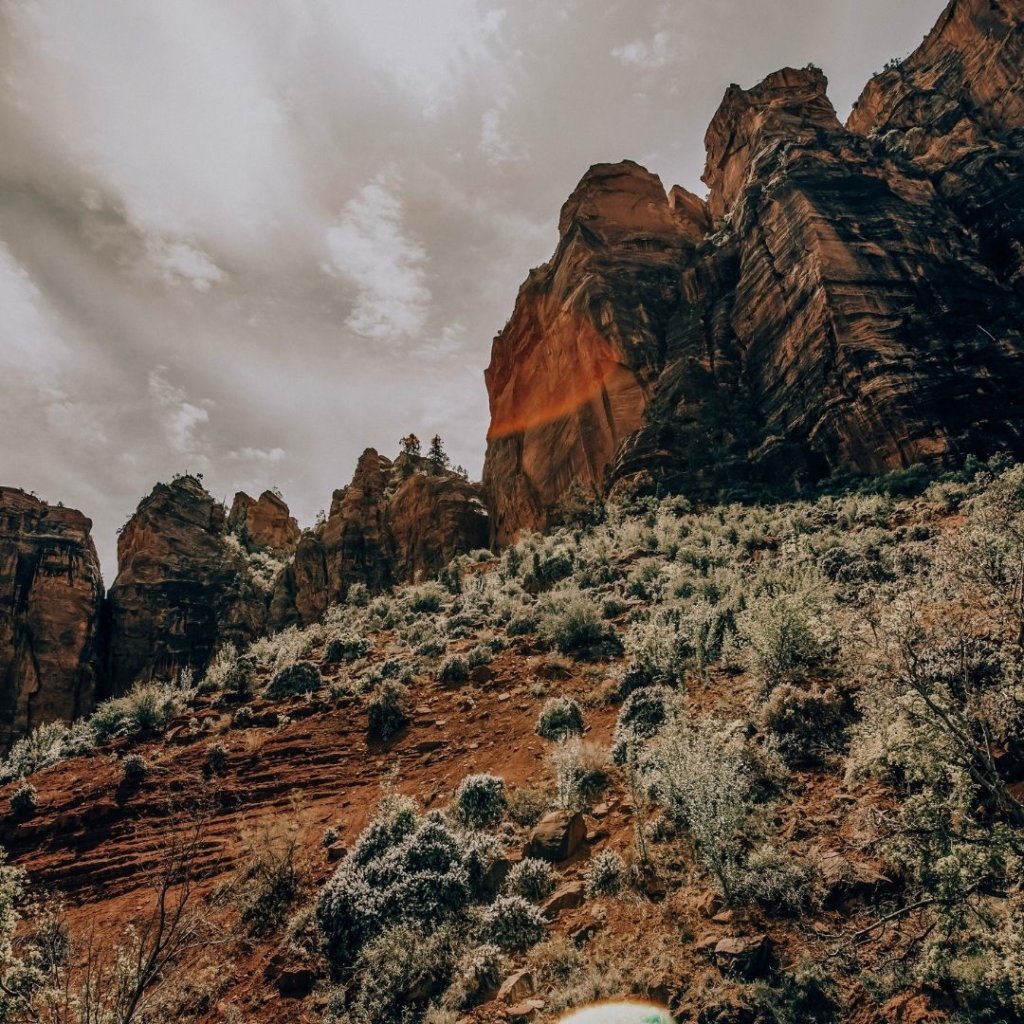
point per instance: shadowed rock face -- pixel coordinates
(396, 521)
(263, 524)
(181, 588)
(50, 594)
(849, 297)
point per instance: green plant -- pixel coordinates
(532, 879)
(346, 647)
(527, 804)
(605, 874)
(133, 768)
(267, 884)
(480, 799)
(454, 669)
(302, 677)
(572, 624)
(643, 714)
(512, 924)
(386, 710)
(559, 717)
(216, 759)
(24, 801)
(581, 772)
(804, 723)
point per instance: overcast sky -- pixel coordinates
(250, 238)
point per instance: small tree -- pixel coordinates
(437, 455)
(411, 445)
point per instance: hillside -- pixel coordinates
(815, 707)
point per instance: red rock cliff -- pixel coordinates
(849, 298)
(50, 594)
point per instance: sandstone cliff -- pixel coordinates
(848, 298)
(50, 594)
(396, 521)
(264, 523)
(181, 587)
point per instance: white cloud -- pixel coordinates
(180, 417)
(370, 249)
(655, 53)
(269, 456)
(179, 261)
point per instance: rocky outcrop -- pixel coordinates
(181, 589)
(849, 298)
(396, 521)
(570, 374)
(50, 595)
(264, 523)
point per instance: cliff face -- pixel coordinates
(181, 587)
(50, 594)
(264, 523)
(849, 298)
(396, 521)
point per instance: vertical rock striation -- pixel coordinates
(848, 298)
(50, 595)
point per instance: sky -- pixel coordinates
(250, 238)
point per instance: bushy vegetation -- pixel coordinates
(532, 879)
(480, 799)
(386, 710)
(302, 677)
(560, 717)
(606, 874)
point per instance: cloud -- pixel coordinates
(639, 53)
(259, 455)
(180, 417)
(370, 248)
(179, 261)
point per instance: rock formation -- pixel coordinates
(264, 523)
(50, 594)
(181, 588)
(396, 521)
(848, 298)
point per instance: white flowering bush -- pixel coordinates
(605, 874)
(559, 717)
(480, 799)
(531, 878)
(512, 923)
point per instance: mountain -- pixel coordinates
(848, 298)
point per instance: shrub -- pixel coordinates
(403, 868)
(133, 768)
(572, 624)
(581, 772)
(216, 759)
(803, 723)
(522, 624)
(268, 882)
(526, 805)
(429, 597)
(642, 716)
(560, 717)
(605, 874)
(454, 669)
(771, 878)
(24, 801)
(331, 835)
(400, 970)
(531, 878)
(477, 972)
(787, 635)
(699, 775)
(44, 746)
(480, 799)
(146, 707)
(302, 677)
(385, 711)
(243, 717)
(346, 647)
(512, 923)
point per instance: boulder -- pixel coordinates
(747, 957)
(557, 836)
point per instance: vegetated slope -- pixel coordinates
(799, 779)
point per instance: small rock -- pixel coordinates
(481, 674)
(502, 697)
(336, 852)
(600, 811)
(428, 746)
(709, 904)
(565, 897)
(746, 957)
(516, 987)
(724, 917)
